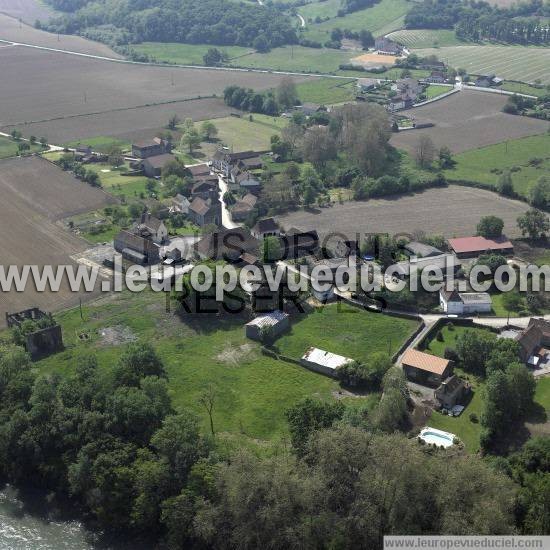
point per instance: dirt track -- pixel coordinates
(467, 120)
(34, 195)
(451, 211)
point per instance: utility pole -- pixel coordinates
(80, 308)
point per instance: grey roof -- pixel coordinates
(200, 206)
(475, 297)
(269, 319)
(422, 250)
(159, 161)
(268, 225)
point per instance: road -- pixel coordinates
(227, 222)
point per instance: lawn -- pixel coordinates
(247, 132)
(345, 330)
(101, 144)
(253, 391)
(425, 38)
(184, 54)
(434, 91)
(326, 91)
(115, 183)
(382, 18)
(484, 165)
(522, 63)
(523, 88)
(8, 148)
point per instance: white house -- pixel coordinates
(464, 303)
(324, 362)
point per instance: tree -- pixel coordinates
(214, 57)
(505, 184)
(287, 95)
(190, 139)
(490, 227)
(173, 122)
(534, 224)
(272, 250)
(474, 347)
(32, 140)
(208, 400)
(209, 130)
(366, 39)
(116, 158)
(424, 151)
(44, 142)
(138, 361)
(318, 146)
(446, 160)
(540, 193)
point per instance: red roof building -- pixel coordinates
(467, 247)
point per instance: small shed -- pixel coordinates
(324, 362)
(267, 326)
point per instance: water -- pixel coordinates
(20, 530)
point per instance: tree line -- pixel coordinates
(209, 21)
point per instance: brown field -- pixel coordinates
(451, 211)
(26, 10)
(36, 194)
(367, 59)
(467, 120)
(11, 29)
(38, 86)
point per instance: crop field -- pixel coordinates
(467, 120)
(528, 159)
(253, 390)
(453, 211)
(526, 64)
(425, 38)
(35, 195)
(26, 10)
(11, 29)
(384, 17)
(354, 333)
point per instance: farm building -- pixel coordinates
(421, 250)
(424, 368)
(447, 263)
(152, 228)
(244, 180)
(136, 249)
(367, 84)
(400, 102)
(486, 81)
(223, 160)
(309, 109)
(254, 163)
(534, 342)
(268, 326)
(150, 148)
(324, 362)
(451, 392)
(266, 228)
(470, 247)
(464, 303)
(229, 244)
(409, 86)
(152, 166)
(199, 170)
(205, 212)
(436, 77)
(205, 189)
(181, 203)
(386, 46)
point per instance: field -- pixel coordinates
(433, 90)
(253, 391)
(523, 88)
(373, 60)
(82, 97)
(452, 211)
(484, 165)
(382, 18)
(467, 120)
(8, 148)
(101, 144)
(26, 10)
(354, 333)
(35, 195)
(522, 63)
(327, 91)
(425, 38)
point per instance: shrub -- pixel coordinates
(473, 418)
(439, 336)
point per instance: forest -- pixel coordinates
(210, 21)
(518, 24)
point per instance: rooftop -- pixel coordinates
(325, 358)
(269, 319)
(479, 244)
(160, 161)
(425, 361)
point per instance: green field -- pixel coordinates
(101, 144)
(523, 88)
(425, 38)
(243, 134)
(434, 91)
(253, 391)
(8, 148)
(526, 64)
(484, 165)
(115, 183)
(382, 18)
(327, 91)
(345, 330)
(184, 54)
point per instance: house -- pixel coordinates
(464, 303)
(385, 46)
(181, 203)
(224, 161)
(266, 228)
(486, 81)
(309, 109)
(205, 189)
(150, 148)
(436, 77)
(409, 86)
(136, 249)
(267, 326)
(243, 207)
(451, 392)
(199, 170)
(83, 149)
(254, 163)
(228, 244)
(534, 342)
(152, 166)
(422, 250)
(244, 180)
(471, 247)
(424, 368)
(400, 102)
(324, 362)
(205, 212)
(432, 63)
(367, 84)
(152, 228)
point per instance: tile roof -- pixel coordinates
(425, 361)
(479, 244)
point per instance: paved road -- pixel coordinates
(227, 221)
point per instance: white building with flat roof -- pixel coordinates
(323, 361)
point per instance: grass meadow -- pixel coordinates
(425, 38)
(8, 148)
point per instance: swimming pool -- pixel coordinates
(432, 436)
